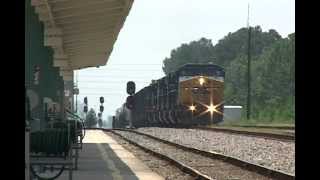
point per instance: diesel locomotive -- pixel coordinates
(190, 96)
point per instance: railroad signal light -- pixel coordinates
(101, 108)
(86, 100)
(131, 87)
(99, 114)
(101, 100)
(129, 102)
(85, 109)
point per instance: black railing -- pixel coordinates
(78, 118)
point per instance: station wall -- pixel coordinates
(42, 80)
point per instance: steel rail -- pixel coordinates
(265, 127)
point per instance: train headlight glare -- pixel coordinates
(212, 108)
(201, 81)
(192, 107)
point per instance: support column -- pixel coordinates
(68, 89)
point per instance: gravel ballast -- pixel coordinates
(214, 168)
(278, 155)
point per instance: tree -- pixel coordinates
(272, 78)
(195, 52)
(275, 82)
(91, 119)
(235, 44)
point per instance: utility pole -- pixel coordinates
(249, 66)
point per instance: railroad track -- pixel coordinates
(266, 127)
(202, 164)
(275, 136)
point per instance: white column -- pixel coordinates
(68, 88)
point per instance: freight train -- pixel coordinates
(190, 96)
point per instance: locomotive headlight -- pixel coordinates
(212, 109)
(201, 80)
(192, 107)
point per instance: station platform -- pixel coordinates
(102, 158)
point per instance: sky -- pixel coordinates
(153, 28)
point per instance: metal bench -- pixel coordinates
(51, 153)
(77, 134)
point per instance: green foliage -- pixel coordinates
(272, 70)
(235, 44)
(194, 52)
(91, 119)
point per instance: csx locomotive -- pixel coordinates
(190, 96)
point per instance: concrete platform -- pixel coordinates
(102, 158)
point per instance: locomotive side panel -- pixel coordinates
(138, 112)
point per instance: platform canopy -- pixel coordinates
(81, 32)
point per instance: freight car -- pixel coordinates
(192, 95)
